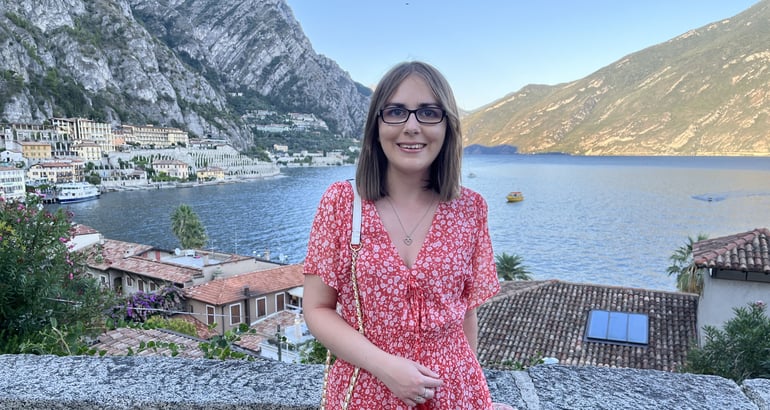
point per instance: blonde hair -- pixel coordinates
(445, 170)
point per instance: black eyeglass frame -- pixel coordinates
(410, 112)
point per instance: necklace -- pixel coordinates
(408, 238)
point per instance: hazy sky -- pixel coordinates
(488, 49)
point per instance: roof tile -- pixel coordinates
(118, 342)
(230, 289)
(124, 256)
(548, 319)
(745, 252)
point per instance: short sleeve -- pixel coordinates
(483, 282)
(327, 245)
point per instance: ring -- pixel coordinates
(425, 392)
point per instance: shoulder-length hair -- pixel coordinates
(446, 168)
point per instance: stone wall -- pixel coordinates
(142, 383)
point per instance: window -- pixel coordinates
(210, 315)
(235, 314)
(280, 301)
(141, 285)
(261, 307)
(129, 281)
(618, 327)
(153, 287)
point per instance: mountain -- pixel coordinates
(196, 64)
(706, 92)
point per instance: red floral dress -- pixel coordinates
(415, 313)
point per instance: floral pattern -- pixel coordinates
(415, 312)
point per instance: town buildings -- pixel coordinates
(577, 324)
(221, 291)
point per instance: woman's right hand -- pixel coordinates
(410, 381)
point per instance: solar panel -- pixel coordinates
(619, 327)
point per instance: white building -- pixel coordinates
(736, 274)
(12, 185)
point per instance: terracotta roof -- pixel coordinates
(266, 329)
(34, 143)
(201, 329)
(230, 289)
(121, 255)
(117, 342)
(745, 252)
(53, 165)
(548, 319)
(80, 229)
(112, 250)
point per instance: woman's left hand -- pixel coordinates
(410, 381)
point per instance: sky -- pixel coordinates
(488, 49)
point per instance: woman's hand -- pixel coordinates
(410, 381)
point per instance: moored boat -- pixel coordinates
(76, 192)
(515, 196)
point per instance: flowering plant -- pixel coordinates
(43, 284)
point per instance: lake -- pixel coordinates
(602, 220)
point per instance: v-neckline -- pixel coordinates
(394, 248)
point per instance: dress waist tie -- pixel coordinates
(414, 315)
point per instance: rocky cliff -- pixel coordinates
(198, 65)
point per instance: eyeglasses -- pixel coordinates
(425, 115)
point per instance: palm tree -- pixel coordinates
(509, 267)
(688, 277)
(188, 228)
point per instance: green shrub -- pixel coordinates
(49, 303)
(740, 351)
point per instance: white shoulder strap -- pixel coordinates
(355, 238)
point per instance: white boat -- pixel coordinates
(76, 192)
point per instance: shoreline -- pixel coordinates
(235, 179)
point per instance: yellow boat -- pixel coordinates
(515, 196)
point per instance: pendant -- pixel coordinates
(408, 240)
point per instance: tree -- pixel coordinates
(188, 228)
(49, 303)
(740, 351)
(509, 267)
(688, 277)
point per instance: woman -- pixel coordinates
(426, 261)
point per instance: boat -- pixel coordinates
(514, 196)
(76, 192)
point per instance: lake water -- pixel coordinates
(602, 220)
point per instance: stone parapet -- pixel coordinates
(142, 383)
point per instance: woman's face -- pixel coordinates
(411, 147)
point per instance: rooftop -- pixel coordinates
(229, 289)
(745, 252)
(533, 319)
(122, 255)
